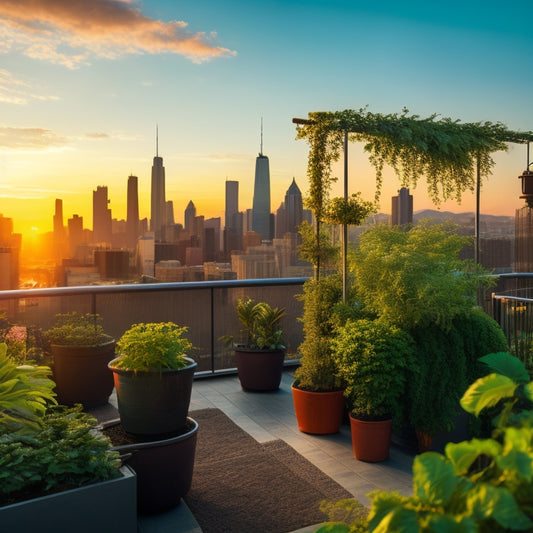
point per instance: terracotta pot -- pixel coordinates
(371, 440)
(318, 413)
(164, 469)
(81, 374)
(260, 370)
(154, 404)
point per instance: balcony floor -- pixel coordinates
(269, 416)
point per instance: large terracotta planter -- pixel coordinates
(371, 439)
(164, 468)
(155, 404)
(81, 374)
(260, 370)
(105, 507)
(318, 413)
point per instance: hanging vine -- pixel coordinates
(441, 149)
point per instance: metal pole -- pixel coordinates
(345, 226)
(476, 221)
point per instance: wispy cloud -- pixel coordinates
(16, 91)
(72, 32)
(30, 139)
(97, 135)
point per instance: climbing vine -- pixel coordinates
(443, 150)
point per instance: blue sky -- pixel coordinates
(83, 85)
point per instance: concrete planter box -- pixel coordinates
(104, 507)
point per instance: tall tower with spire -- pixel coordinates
(261, 202)
(158, 203)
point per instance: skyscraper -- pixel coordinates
(190, 214)
(233, 223)
(232, 202)
(101, 216)
(261, 203)
(158, 213)
(132, 219)
(402, 208)
(293, 207)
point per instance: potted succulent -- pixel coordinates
(81, 350)
(373, 358)
(55, 467)
(261, 353)
(153, 379)
(317, 390)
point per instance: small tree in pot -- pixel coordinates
(373, 358)
(261, 352)
(81, 350)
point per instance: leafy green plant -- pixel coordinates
(25, 393)
(260, 323)
(373, 358)
(318, 371)
(153, 347)
(481, 484)
(66, 452)
(74, 329)
(415, 277)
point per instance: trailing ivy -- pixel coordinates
(443, 150)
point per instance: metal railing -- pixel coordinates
(207, 308)
(512, 308)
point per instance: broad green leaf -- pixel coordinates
(445, 523)
(384, 503)
(463, 454)
(507, 365)
(434, 480)
(399, 520)
(486, 392)
(486, 501)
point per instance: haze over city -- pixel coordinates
(82, 90)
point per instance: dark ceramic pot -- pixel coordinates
(164, 468)
(260, 370)
(154, 404)
(81, 374)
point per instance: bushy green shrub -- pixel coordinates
(66, 452)
(373, 358)
(153, 346)
(74, 329)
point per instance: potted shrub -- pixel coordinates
(261, 353)
(55, 467)
(81, 350)
(317, 390)
(373, 358)
(153, 378)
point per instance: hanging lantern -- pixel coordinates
(527, 187)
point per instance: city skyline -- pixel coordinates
(79, 102)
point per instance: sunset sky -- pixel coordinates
(83, 85)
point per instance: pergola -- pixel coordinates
(453, 156)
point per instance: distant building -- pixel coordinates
(261, 220)
(102, 228)
(132, 219)
(190, 214)
(75, 234)
(146, 254)
(158, 212)
(402, 208)
(290, 214)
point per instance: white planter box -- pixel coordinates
(104, 507)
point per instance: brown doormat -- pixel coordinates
(240, 485)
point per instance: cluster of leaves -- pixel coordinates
(415, 277)
(352, 211)
(260, 324)
(373, 358)
(74, 329)
(443, 150)
(66, 452)
(478, 485)
(446, 361)
(25, 393)
(318, 371)
(153, 347)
